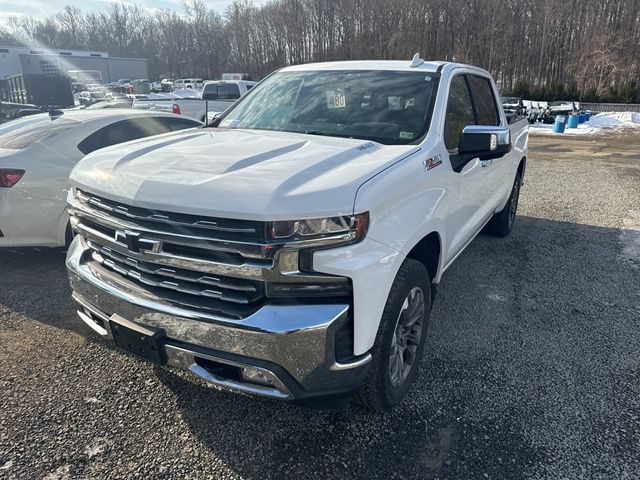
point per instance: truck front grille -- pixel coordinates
(222, 266)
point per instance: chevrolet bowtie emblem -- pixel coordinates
(134, 242)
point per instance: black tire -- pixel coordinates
(68, 235)
(377, 392)
(502, 222)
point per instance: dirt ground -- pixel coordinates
(531, 367)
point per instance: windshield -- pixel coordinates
(22, 133)
(384, 106)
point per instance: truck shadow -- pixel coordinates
(519, 323)
(34, 283)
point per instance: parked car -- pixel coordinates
(294, 249)
(216, 97)
(513, 107)
(164, 85)
(561, 107)
(38, 152)
(10, 111)
(141, 86)
(184, 83)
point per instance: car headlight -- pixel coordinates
(329, 230)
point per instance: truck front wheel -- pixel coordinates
(400, 341)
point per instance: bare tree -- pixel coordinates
(539, 48)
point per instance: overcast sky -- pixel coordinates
(42, 8)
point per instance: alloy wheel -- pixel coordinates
(406, 337)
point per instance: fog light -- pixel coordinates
(253, 375)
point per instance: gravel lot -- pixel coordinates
(532, 366)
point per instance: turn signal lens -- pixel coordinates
(9, 177)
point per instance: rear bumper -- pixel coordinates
(26, 221)
(291, 345)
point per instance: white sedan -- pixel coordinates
(37, 154)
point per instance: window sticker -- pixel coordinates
(336, 99)
(411, 102)
(230, 123)
(406, 135)
(395, 103)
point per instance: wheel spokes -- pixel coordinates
(406, 336)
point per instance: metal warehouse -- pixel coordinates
(15, 60)
(36, 75)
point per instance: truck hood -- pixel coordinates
(248, 174)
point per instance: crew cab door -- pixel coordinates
(487, 108)
(474, 180)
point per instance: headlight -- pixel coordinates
(330, 230)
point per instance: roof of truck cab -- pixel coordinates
(392, 65)
(367, 65)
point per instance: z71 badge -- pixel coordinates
(432, 162)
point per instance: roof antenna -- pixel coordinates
(416, 61)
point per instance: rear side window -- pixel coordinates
(173, 124)
(22, 133)
(221, 91)
(133, 129)
(459, 112)
(484, 101)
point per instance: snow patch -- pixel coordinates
(496, 298)
(98, 447)
(60, 473)
(188, 93)
(600, 123)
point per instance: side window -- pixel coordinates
(120, 132)
(485, 102)
(92, 142)
(459, 112)
(221, 91)
(229, 91)
(173, 124)
(133, 129)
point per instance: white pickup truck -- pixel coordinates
(293, 248)
(216, 97)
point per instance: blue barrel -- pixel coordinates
(573, 121)
(559, 124)
(582, 118)
(588, 115)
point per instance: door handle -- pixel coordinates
(485, 163)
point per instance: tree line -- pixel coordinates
(540, 49)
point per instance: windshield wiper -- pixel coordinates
(324, 134)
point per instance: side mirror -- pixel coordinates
(484, 142)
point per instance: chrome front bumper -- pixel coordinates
(292, 345)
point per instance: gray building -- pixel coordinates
(77, 64)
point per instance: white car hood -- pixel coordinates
(248, 174)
